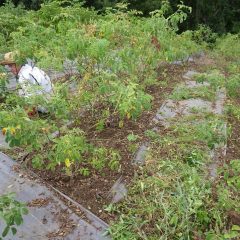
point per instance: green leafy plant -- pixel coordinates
(21, 130)
(75, 155)
(204, 35)
(3, 83)
(132, 137)
(11, 212)
(68, 150)
(128, 100)
(234, 233)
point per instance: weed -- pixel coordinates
(183, 93)
(233, 109)
(132, 147)
(153, 135)
(228, 47)
(214, 77)
(132, 137)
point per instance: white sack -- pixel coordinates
(30, 76)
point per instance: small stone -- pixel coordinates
(190, 74)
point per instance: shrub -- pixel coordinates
(204, 35)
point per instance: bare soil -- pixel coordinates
(233, 149)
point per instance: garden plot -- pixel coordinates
(115, 92)
(188, 141)
(188, 188)
(97, 186)
(48, 216)
(174, 110)
(94, 192)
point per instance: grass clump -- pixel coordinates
(183, 93)
(171, 197)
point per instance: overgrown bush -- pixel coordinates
(229, 47)
(116, 56)
(205, 36)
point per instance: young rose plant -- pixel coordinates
(20, 130)
(75, 155)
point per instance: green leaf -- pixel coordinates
(231, 235)
(5, 231)
(14, 230)
(24, 211)
(18, 219)
(235, 228)
(131, 137)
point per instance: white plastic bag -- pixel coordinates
(33, 80)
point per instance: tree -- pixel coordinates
(220, 15)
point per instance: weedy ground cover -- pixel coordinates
(173, 196)
(203, 92)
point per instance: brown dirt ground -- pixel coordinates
(233, 153)
(233, 149)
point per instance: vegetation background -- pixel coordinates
(124, 68)
(220, 15)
